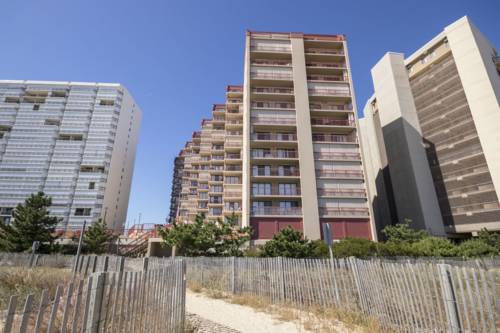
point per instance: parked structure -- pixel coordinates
(431, 134)
(283, 150)
(74, 141)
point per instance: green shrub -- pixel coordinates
(434, 247)
(394, 249)
(291, 243)
(402, 232)
(476, 248)
(357, 247)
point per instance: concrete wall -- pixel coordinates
(117, 192)
(409, 169)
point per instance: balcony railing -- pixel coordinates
(276, 172)
(270, 48)
(328, 92)
(233, 156)
(332, 107)
(232, 167)
(273, 121)
(272, 90)
(324, 51)
(274, 210)
(344, 174)
(274, 137)
(325, 64)
(271, 62)
(344, 212)
(274, 154)
(234, 194)
(271, 76)
(337, 156)
(347, 193)
(331, 122)
(273, 105)
(323, 137)
(276, 192)
(325, 78)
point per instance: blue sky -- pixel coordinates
(176, 57)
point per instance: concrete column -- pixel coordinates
(305, 145)
(246, 172)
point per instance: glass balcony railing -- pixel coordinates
(324, 137)
(274, 154)
(272, 90)
(273, 172)
(273, 121)
(344, 212)
(274, 137)
(342, 193)
(329, 92)
(344, 174)
(324, 51)
(271, 76)
(279, 211)
(337, 156)
(331, 122)
(267, 48)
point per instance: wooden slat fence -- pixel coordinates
(403, 296)
(148, 300)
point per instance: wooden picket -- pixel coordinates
(404, 295)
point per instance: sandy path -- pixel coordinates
(238, 317)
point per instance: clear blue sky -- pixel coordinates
(176, 57)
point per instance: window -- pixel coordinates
(52, 122)
(288, 204)
(287, 189)
(83, 211)
(261, 170)
(108, 102)
(58, 93)
(261, 189)
(91, 185)
(36, 107)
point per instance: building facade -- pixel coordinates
(74, 141)
(296, 155)
(433, 126)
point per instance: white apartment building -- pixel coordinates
(74, 141)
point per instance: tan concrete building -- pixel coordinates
(432, 134)
(292, 146)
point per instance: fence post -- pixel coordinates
(282, 282)
(145, 264)
(449, 298)
(96, 297)
(233, 275)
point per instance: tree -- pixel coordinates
(291, 243)
(206, 238)
(31, 222)
(490, 238)
(476, 248)
(402, 232)
(97, 237)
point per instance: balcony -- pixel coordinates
(271, 76)
(274, 137)
(342, 193)
(329, 78)
(273, 121)
(273, 93)
(232, 194)
(230, 156)
(276, 172)
(277, 63)
(275, 192)
(333, 156)
(331, 122)
(273, 105)
(312, 64)
(274, 154)
(329, 92)
(233, 167)
(344, 212)
(271, 49)
(276, 211)
(340, 174)
(324, 51)
(324, 137)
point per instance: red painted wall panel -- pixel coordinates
(266, 227)
(349, 228)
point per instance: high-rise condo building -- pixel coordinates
(286, 142)
(74, 141)
(432, 134)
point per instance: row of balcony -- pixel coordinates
(297, 211)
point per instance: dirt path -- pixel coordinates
(237, 317)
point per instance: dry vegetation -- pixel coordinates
(22, 281)
(316, 319)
